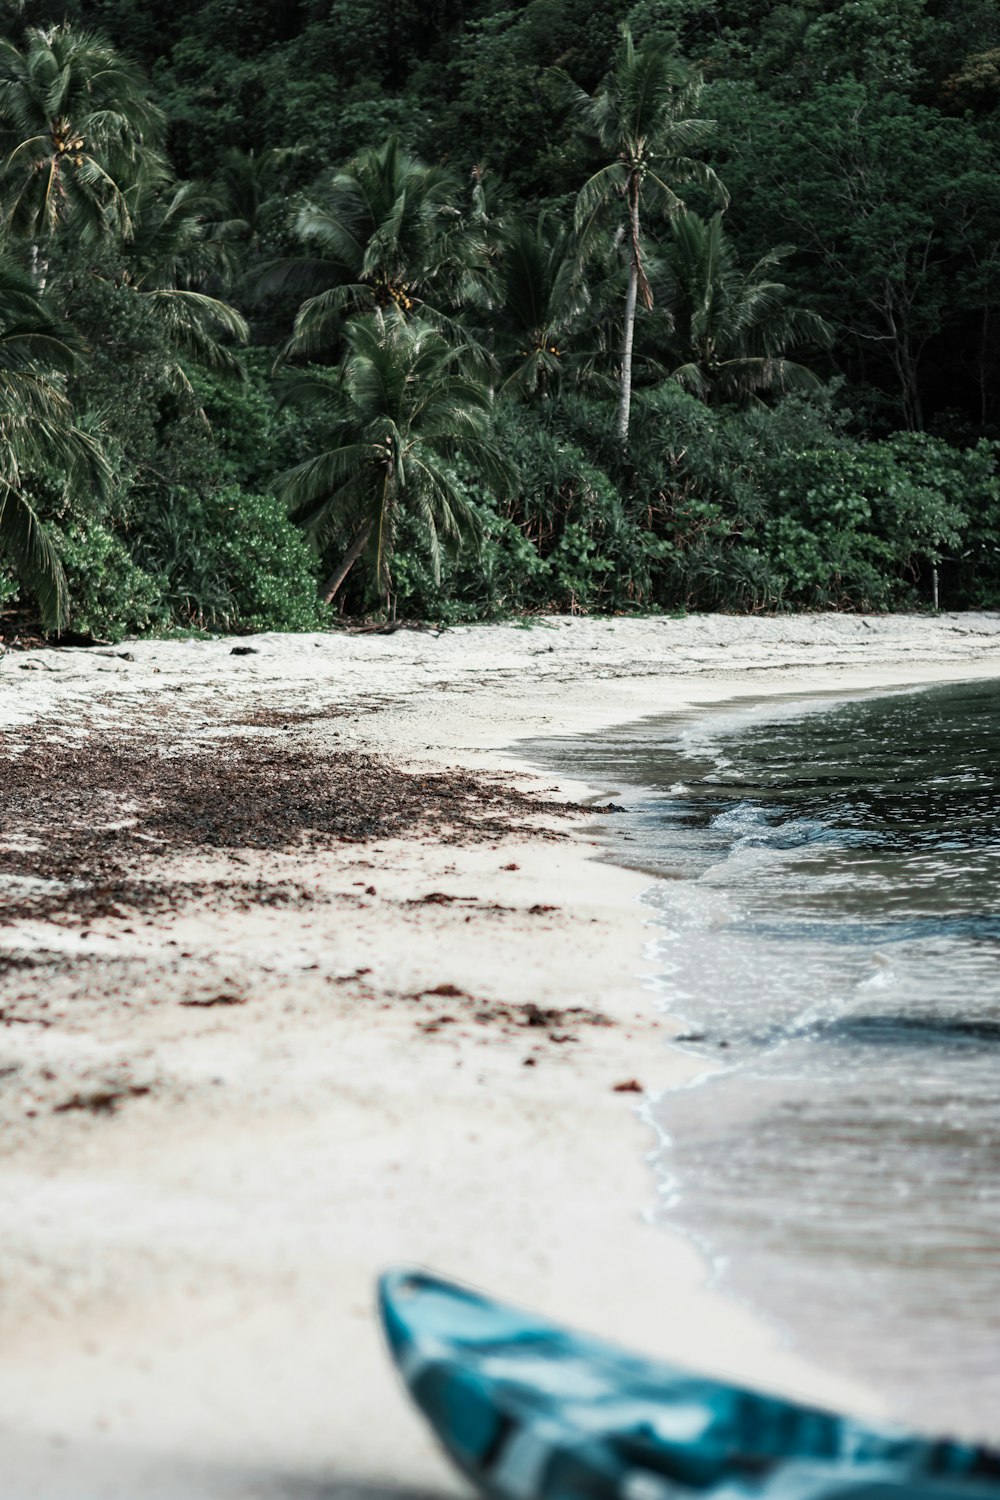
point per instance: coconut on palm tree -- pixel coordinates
(403, 413)
(641, 117)
(731, 328)
(541, 296)
(76, 130)
(38, 439)
(385, 232)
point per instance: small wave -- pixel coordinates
(742, 823)
(684, 904)
(751, 826)
(884, 976)
(930, 928)
(895, 1029)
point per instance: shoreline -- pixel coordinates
(187, 1293)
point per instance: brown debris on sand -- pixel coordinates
(96, 819)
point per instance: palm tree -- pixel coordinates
(76, 128)
(180, 245)
(248, 182)
(731, 327)
(38, 440)
(403, 413)
(541, 296)
(387, 232)
(640, 116)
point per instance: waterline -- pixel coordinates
(828, 930)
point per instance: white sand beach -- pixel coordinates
(224, 1110)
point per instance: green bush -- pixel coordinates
(10, 588)
(110, 594)
(857, 528)
(679, 520)
(720, 509)
(564, 541)
(699, 477)
(970, 575)
(231, 561)
(486, 585)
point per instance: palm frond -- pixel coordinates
(406, 405)
(731, 329)
(312, 484)
(26, 545)
(68, 84)
(196, 324)
(593, 197)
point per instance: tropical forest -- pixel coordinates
(315, 311)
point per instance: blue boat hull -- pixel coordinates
(532, 1411)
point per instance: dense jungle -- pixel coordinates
(456, 310)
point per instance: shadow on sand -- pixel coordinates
(37, 1467)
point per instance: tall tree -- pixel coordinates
(641, 117)
(77, 130)
(895, 211)
(402, 414)
(732, 328)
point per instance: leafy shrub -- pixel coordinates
(853, 527)
(252, 437)
(698, 479)
(565, 541)
(674, 522)
(502, 578)
(10, 588)
(970, 577)
(231, 561)
(110, 594)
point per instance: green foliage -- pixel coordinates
(111, 596)
(231, 561)
(10, 587)
(77, 131)
(225, 561)
(403, 413)
(895, 211)
(502, 581)
(970, 478)
(731, 328)
(640, 117)
(562, 540)
(250, 437)
(388, 190)
(852, 527)
(42, 446)
(502, 55)
(537, 315)
(568, 505)
(384, 233)
(701, 475)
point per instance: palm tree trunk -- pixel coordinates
(39, 267)
(350, 557)
(625, 388)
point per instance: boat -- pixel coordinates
(529, 1410)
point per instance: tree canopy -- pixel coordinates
(466, 308)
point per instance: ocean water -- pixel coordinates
(827, 924)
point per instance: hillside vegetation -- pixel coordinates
(456, 310)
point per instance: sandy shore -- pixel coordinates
(303, 972)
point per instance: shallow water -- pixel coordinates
(828, 919)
